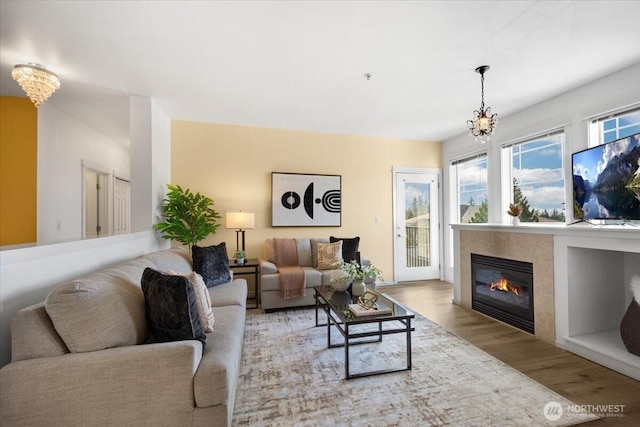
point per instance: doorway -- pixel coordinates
(121, 206)
(95, 203)
(416, 224)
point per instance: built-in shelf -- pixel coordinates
(607, 349)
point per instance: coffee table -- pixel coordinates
(335, 305)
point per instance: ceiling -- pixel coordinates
(302, 64)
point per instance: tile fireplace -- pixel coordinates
(503, 289)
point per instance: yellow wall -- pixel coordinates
(233, 165)
(18, 170)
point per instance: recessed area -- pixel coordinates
(598, 297)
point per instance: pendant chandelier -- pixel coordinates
(483, 121)
(37, 82)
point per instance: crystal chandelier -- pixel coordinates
(38, 83)
(483, 121)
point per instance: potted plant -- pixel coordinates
(240, 257)
(188, 217)
(355, 274)
(514, 212)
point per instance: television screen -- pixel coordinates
(606, 180)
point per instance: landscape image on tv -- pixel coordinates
(606, 181)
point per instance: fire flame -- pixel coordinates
(504, 285)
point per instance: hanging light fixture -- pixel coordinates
(38, 82)
(483, 121)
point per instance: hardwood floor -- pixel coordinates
(578, 379)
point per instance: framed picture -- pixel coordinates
(305, 200)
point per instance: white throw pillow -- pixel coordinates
(202, 296)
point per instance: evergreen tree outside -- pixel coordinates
(419, 206)
(482, 216)
(528, 213)
(555, 215)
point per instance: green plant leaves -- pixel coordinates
(188, 217)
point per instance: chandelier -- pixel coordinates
(483, 121)
(38, 83)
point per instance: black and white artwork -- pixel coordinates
(305, 200)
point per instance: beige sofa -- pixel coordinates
(270, 293)
(128, 384)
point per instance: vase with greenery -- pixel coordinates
(352, 271)
(240, 257)
(188, 217)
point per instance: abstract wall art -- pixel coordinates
(305, 200)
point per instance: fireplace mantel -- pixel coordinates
(582, 275)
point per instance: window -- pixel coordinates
(535, 179)
(471, 185)
(614, 127)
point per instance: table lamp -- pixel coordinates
(241, 221)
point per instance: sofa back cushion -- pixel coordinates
(304, 252)
(307, 251)
(176, 259)
(98, 311)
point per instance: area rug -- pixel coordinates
(289, 377)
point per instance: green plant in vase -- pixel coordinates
(240, 256)
(188, 217)
(352, 272)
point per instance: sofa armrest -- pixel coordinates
(267, 267)
(152, 383)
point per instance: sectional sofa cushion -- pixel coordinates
(212, 263)
(99, 311)
(171, 307)
(176, 259)
(349, 247)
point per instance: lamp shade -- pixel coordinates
(241, 220)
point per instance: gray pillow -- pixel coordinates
(172, 308)
(212, 263)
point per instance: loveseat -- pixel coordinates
(307, 251)
(104, 371)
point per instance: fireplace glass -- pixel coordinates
(503, 289)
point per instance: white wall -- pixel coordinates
(161, 164)
(27, 275)
(63, 143)
(571, 110)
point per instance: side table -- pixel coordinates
(250, 267)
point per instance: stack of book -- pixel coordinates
(360, 311)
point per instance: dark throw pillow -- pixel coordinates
(172, 308)
(349, 247)
(212, 263)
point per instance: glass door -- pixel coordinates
(416, 227)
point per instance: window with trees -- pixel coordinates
(536, 177)
(471, 184)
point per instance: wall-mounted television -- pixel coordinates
(606, 181)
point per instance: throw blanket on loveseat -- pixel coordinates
(292, 279)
